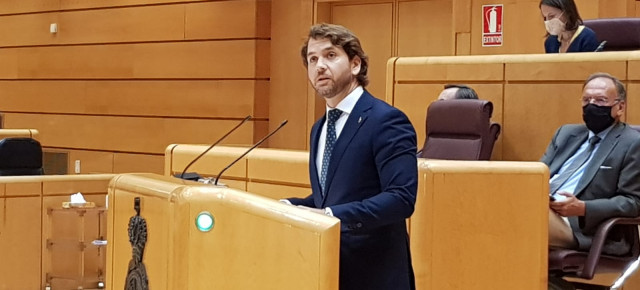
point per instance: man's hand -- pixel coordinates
(316, 210)
(570, 206)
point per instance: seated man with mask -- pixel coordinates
(594, 169)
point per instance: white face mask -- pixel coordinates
(554, 26)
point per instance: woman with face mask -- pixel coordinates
(565, 32)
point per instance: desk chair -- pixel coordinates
(460, 130)
(621, 34)
(20, 156)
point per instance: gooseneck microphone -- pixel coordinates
(250, 149)
(195, 176)
(601, 46)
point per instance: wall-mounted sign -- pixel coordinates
(492, 25)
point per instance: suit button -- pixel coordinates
(359, 225)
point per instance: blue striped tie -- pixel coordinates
(571, 169)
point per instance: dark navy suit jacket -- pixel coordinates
(371, 187)
(586, 41)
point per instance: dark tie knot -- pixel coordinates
(594, 140)
(334, 114)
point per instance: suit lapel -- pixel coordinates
(357, 117)
(603, 151)
(313, 168)
(574, 141)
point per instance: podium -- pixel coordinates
(253, 242)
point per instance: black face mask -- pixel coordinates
(597, 118)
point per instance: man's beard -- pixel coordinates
(331, 90)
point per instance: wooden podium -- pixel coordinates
(255, 242)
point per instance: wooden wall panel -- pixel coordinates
(288, 83)
(570, 71)
(81, 4)
(440, 70)
(532, 113)
(375, 37)
(209, 59)
(151, 23)
(22, 189)
(28, 29)
(228, 19)
(128, 134)
(22, 6)
(20, 242)
(9, 63)
(633, 103)
(123, 163)
(197, 99)
(523, 29)
(422, 25)
(148, 23)
(90, 162)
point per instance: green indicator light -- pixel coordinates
(204, 221)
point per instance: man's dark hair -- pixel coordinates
(463, 92)
(569, 9)
(341, 37)
(620, 89)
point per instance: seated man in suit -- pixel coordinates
(594, 169)
(595, 172)
(362, 164)
(452, 92)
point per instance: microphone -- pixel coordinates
(194, 176)
(250, 149)
(601, 46)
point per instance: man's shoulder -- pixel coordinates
(630, 133)
(568, 129)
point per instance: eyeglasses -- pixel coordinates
(598, 101)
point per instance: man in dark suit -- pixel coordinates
(362, 166)
(594, 168)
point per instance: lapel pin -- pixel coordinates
(359, 120)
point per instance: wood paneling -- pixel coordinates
(196, 99)
(523, 29)
(20, 241)
(124, 163)
(454, 222)
(27, 29)
(128, 134)
(533, 112)
(375, 37)
(80, 4)
(121, 25)
(151, 23)
(90, 162)
(22, 6)
(422, 24)
(570, 71)
(209, 59)
(290, 22)
(228, 19)
(443, 70)
(633, 103)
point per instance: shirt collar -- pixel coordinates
(349, 102)
(603, 133)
